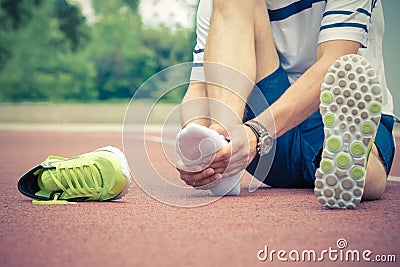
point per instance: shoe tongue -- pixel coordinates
(47, 182)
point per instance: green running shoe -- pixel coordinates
(350, 106)
(96, 176)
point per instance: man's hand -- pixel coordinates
(228, 161)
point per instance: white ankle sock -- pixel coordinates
(194, 143)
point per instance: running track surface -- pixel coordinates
(141, 231)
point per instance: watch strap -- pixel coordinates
(259, 130)
(257, 127)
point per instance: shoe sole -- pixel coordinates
(124, 168)
(351, 103)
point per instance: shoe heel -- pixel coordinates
(124, 168)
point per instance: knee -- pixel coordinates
(231, 7)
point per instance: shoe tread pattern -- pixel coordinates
(351, 100)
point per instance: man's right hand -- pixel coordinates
(228, 161)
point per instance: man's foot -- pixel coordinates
(196, 142)
(351, 108)
(96, 176)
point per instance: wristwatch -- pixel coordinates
(265, 141)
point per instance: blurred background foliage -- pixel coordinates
(50, 52)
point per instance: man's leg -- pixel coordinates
(379, 163)
(239, 51)
(240, 37)
(375, 182)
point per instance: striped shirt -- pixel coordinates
(299, 26)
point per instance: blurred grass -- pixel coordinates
(81, 113)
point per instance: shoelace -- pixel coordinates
(54, 201)
(82, 179)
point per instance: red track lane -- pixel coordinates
(141, 231)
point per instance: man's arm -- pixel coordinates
(302, 98)
(292, 108)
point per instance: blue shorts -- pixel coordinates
(298, 151)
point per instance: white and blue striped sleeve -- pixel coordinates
(346, 20)
(203, 18)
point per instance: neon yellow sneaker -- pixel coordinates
(96, 176)
(350, 106)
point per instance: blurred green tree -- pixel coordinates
(50, 52)
(72, 24)
(13, 14)
(39, 62)
(126, 53)
(116, 51)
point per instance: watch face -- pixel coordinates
(266, 145)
